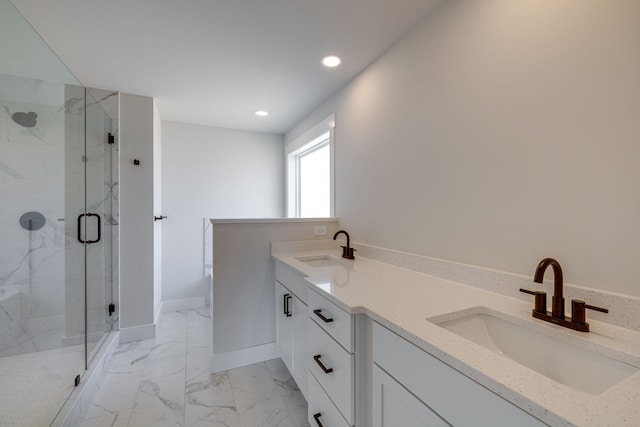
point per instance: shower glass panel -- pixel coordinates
(41, 341)
(98, 210)
(56, 226)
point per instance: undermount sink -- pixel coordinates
(568, 364)
(320, 261)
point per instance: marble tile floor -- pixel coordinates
(166, 382)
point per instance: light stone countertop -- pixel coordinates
(402, 300)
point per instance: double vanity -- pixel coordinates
(373, 344)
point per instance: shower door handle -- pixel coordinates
(80, 228)
(99, 222)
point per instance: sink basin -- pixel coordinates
(558, 360)
(321, 261)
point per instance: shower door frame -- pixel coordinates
(98, 203)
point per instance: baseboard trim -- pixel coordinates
(137, 333)
(246, 356)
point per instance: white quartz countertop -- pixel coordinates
(403, 299)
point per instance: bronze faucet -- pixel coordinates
(347, 251)
(578, 318)
(557, 302)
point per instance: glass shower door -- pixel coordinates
(89, 205)
(98, 236)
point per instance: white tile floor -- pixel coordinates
(166, 382)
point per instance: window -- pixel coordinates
(310, 173)
(312, 167)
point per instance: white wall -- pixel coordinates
(498, 133)
(136, 217)
(215, 173)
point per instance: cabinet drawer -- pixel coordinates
(292, 281)
(337, 322)
(319, 403)
(339, 383)
(455, 397)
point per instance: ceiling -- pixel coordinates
(215, 62)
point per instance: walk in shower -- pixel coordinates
(58, 225)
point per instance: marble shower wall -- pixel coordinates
(42, 169)
(32, 178)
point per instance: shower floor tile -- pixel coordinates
(37, 334)
(166, 381)
(45, 377)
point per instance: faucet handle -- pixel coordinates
(593, 307)
(578, 310)
(540, 301)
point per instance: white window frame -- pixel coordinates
(308, 142)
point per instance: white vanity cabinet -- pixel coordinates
(411, 387)
(291, 323)
(354, 371)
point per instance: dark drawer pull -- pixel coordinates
(287, 307)
(317, 418)
(318, 313)
(284, 304)
(324, 368)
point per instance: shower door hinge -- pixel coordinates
(77, 380)
(112, 309)
(111, 139)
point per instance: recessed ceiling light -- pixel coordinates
(331, 61)
(262, 113)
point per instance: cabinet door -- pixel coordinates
(300, 351)
(393, 405)
(442, 387)
(284, 328)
